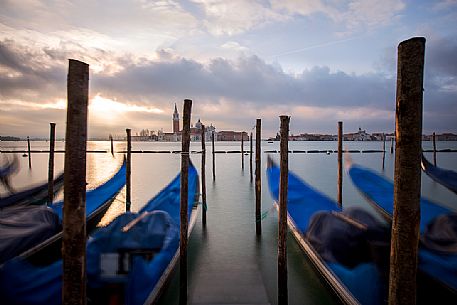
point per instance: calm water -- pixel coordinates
(229, 239)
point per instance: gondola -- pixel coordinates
(437, 254)
(9, 167)
(35, 231)
(129, 260)
(35, 195)
(6, 170)
(443, 176)
(359, 284)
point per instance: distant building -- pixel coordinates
(229, 135)
(360, 135)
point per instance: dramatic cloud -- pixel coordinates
(142, 89)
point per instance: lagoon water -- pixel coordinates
(229, 242)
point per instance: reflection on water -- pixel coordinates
(229, 240)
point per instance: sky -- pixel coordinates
(319, 61)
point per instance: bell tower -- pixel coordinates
(175, 120)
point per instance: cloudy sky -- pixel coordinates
(319, 61)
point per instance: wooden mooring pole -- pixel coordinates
(184, 203)
(74, 208)
(203, 177)
(383, 150)
(242, 150)
(214, 157)
(30, 155)
(391, 145)
(340, 164)
(282, 237)
(407, 175)
(128, 173)
(52, 140)
(258, 180)
(434, 149)
(250, 157)
(112, 145)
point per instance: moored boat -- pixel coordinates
(443, 176)
(35, 231)
(437, 263)
(131, 259)
(360, 281)
(34, 195)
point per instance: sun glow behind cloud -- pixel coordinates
(108, 109)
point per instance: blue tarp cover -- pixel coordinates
(22, 227)
(439, 265)
(303, 202)
(24, 283)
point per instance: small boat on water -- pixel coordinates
(438, 228)
(129, 260)
(35, 195)
(35, 231)
(443, 176)
(333, 240)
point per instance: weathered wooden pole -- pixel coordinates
(242, 150)
(214, 157)
(184, 203)
(258, 182)
(30, 155)
(434, 149)
(203, 174)
(128, 173)
(282, 237)
(74, 208)
(112, 145)
(383, 150)
(340, 164)
(407, 175)
(250, 157)
(392, 145)
(52, 140)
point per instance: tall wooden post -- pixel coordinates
(258, 181)
(340, 163)
(52, 140)
(214, 157)
(242, 150)
(392, 145)
(128, 173)
(434, 149)
(112, 145)
(184, 203)
(30, 155)
(282, 238)
(383, 150)
(407, 181)
(74, 208)
(250, 157)
(203, 175)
